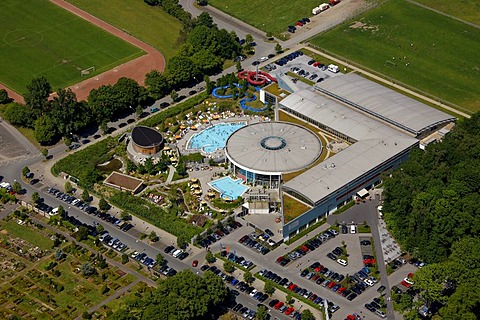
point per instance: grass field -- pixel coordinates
(416, 46)
(40, 38)
(468, 10)
(26, 233)
(268, 15)
(149, 24)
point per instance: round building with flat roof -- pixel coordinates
(260, 153)
(146, 141)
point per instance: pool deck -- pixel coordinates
(218, 154)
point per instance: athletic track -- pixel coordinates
(135, 69)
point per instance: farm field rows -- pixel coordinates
(468, 10)
(416, 46)
(152, 25)
(39, 38)
(268, 15)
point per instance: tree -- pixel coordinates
(18, 115)
(248, 38)
(67, 141)
(157, 84)
(87, 269)
(85, 196)
(153, 236)
(68, 187)
(160, 259)
(124, 258)
(289, 299)
(238, 66)
(204, 19)
(25, 171)
(45, 152)
(66, 113)
(104, 127)
(86, 315)
(262, 314)
(103, 205)
(278, 48)
(38, 91)
(307, 315)
(4, 98)
(35, 197)
(228, 266)
(45, 130)
(61, 211)
(17, 187)
(181, 70)
(174, 95)
(82, 234)
(248, 277)
(100, 229)
(210, 257)
(268, 288)
(124, 215)
(59, 254)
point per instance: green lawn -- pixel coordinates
(268, 15)
(26, 233)
(416, 46)
(40, 38)
(468, 10)
(149, 24)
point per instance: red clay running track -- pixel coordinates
(135, 69)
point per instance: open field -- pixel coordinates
(267, 15)
(468, 10)
(415, 46)
(149, 24)
(41, 39)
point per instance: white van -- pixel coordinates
(333, 68)
(353, 229)
(176, 253)
(54, 211)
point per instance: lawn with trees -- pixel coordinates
(416, 46)
(431, 207)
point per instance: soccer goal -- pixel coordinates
(390, 64)
(87, 71)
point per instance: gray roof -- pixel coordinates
(384, 103)
(344, 167)
(273, 147)
(376, 143)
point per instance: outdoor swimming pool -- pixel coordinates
(229, 189)
(213, 138)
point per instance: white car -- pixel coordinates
(369, 282)
(342, 262)
(262, 59)
(408, 280)
(254, 291)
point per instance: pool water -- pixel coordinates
(229, 189)
(214, 137)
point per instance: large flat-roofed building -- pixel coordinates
(260, 153)
(382, 126)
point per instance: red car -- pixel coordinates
(195, 263)
(332, 284)
(350, 317)
(341, 289)
(319, 268)
(292, 287)
(289, 311)
(280, 259)
(299, 23)
(304, 249)
(316, 63)
(405, 284)
(279, 305)
(369, 261)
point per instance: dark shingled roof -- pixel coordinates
(146, 137)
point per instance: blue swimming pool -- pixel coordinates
(228, 188)
(214, 137)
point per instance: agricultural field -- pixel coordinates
(42, 39)
(281, 13)
(426, 50)
(468, 10)
(152, 25)
(44, 283)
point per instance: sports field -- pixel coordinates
(267, 15)
(468, 10)
(39, 38)
(421, 48)
(149, 24)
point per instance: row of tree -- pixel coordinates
(431, 207)
(64, 115)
